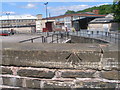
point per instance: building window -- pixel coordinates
(68, 25)
(59, 19)
(75, 17)
(67, 19)
(18, 20)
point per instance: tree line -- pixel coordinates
(104, 9)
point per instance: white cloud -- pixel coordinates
(57, 1)
(29, 6)
(62, 9)
(102, 4)
(9, 12)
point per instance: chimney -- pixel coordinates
(96, 11)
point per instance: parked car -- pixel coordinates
(4, 33)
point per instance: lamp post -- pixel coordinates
(46, 15)
(46, 8)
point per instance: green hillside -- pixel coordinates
(104, 9)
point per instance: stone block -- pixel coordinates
(35, 58)
(41, 73)
(51, 59)
(112, 55)
(4, 87)
(55, 85)
(110, 64)
(33, 83)
(77, 73)
(99, 84)
(113, 75)
(89, 56)
(12, 81)
(6, 70)
(96, 84)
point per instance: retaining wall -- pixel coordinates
(80, 39)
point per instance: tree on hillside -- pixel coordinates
(69, 12)
(104, 9)
(116, 10)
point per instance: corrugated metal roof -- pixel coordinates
(102, 20)
(17, 17)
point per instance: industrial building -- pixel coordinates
(29, 23)
(66, 22)
(103, 24)
(18, 23)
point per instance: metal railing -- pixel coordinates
(59, 36)
(104, 35)
(49, 37)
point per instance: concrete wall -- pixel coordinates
(34, 68)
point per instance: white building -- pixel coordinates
(19, 23)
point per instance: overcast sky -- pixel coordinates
(54, 8)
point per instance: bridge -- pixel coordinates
(30, 62)
(111, 37)
(64, 37)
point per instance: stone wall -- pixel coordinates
(75, 39)
(63, 69)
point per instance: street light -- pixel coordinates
(46, 8)
(46, 14)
